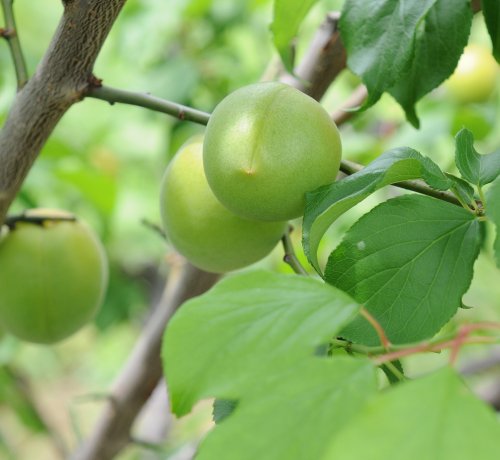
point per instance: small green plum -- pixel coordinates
(266, 145)
(200, 228)
(475, 77)
(53, 275)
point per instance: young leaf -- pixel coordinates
(462, 189)
(435, 417)
(409, 261)
(404, 48)
(493, 212)
(288, 15)
(326, 204)
(227, 339)
(491, 12)
(477, 169)
(293, 414)
(436, 53)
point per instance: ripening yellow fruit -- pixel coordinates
(475, 77)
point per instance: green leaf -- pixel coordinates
(435, 417)
(223, 408)
(462, 189)
(326, 204)
(477, 169)
(491, 12)
(405, 48)
(292, 415)
(409, 261)
(288, 15)
(437, 49)
(223, 341)
(493, 213)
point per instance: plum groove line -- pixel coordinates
(182, 112)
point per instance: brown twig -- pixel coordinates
(378, 328)
(114, 95)
(143, 370)
(455, 344)
(290, 257)
(347, 111)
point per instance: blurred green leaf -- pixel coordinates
(432, 417)
(288, 15)
(409, 262)
(259, 320)
(294, 413)
(14, 392)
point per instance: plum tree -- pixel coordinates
(53, 275)
(475, 77)
(200, 227)
(266, 145)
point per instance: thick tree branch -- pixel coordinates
(347, 111)
(10, 33)
(323, 61)
(60, 80)
(143, 370)
(182, 112)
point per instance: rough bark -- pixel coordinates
(61, 79)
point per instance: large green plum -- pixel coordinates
(53, 275)
(200, 228)
(475, 77)
(266, 145)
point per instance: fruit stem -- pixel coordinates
(11, 221)
(290, 258)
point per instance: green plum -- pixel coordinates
(200, 227)
(266, 145)
(53, 275)
(475, 77)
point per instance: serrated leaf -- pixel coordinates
(409, 261)
(287, 17)
(491, 13)
(435, 417)
(225, 340)
(462, 189)
(326, 204)
(293, 414)
(437, 49)
(379, 37)
(493, 213)
(477, 169)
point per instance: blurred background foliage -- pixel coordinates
(104, 163)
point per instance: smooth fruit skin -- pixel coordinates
(266, 145)
(475, 77)
(52, 279)
(200, 228)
